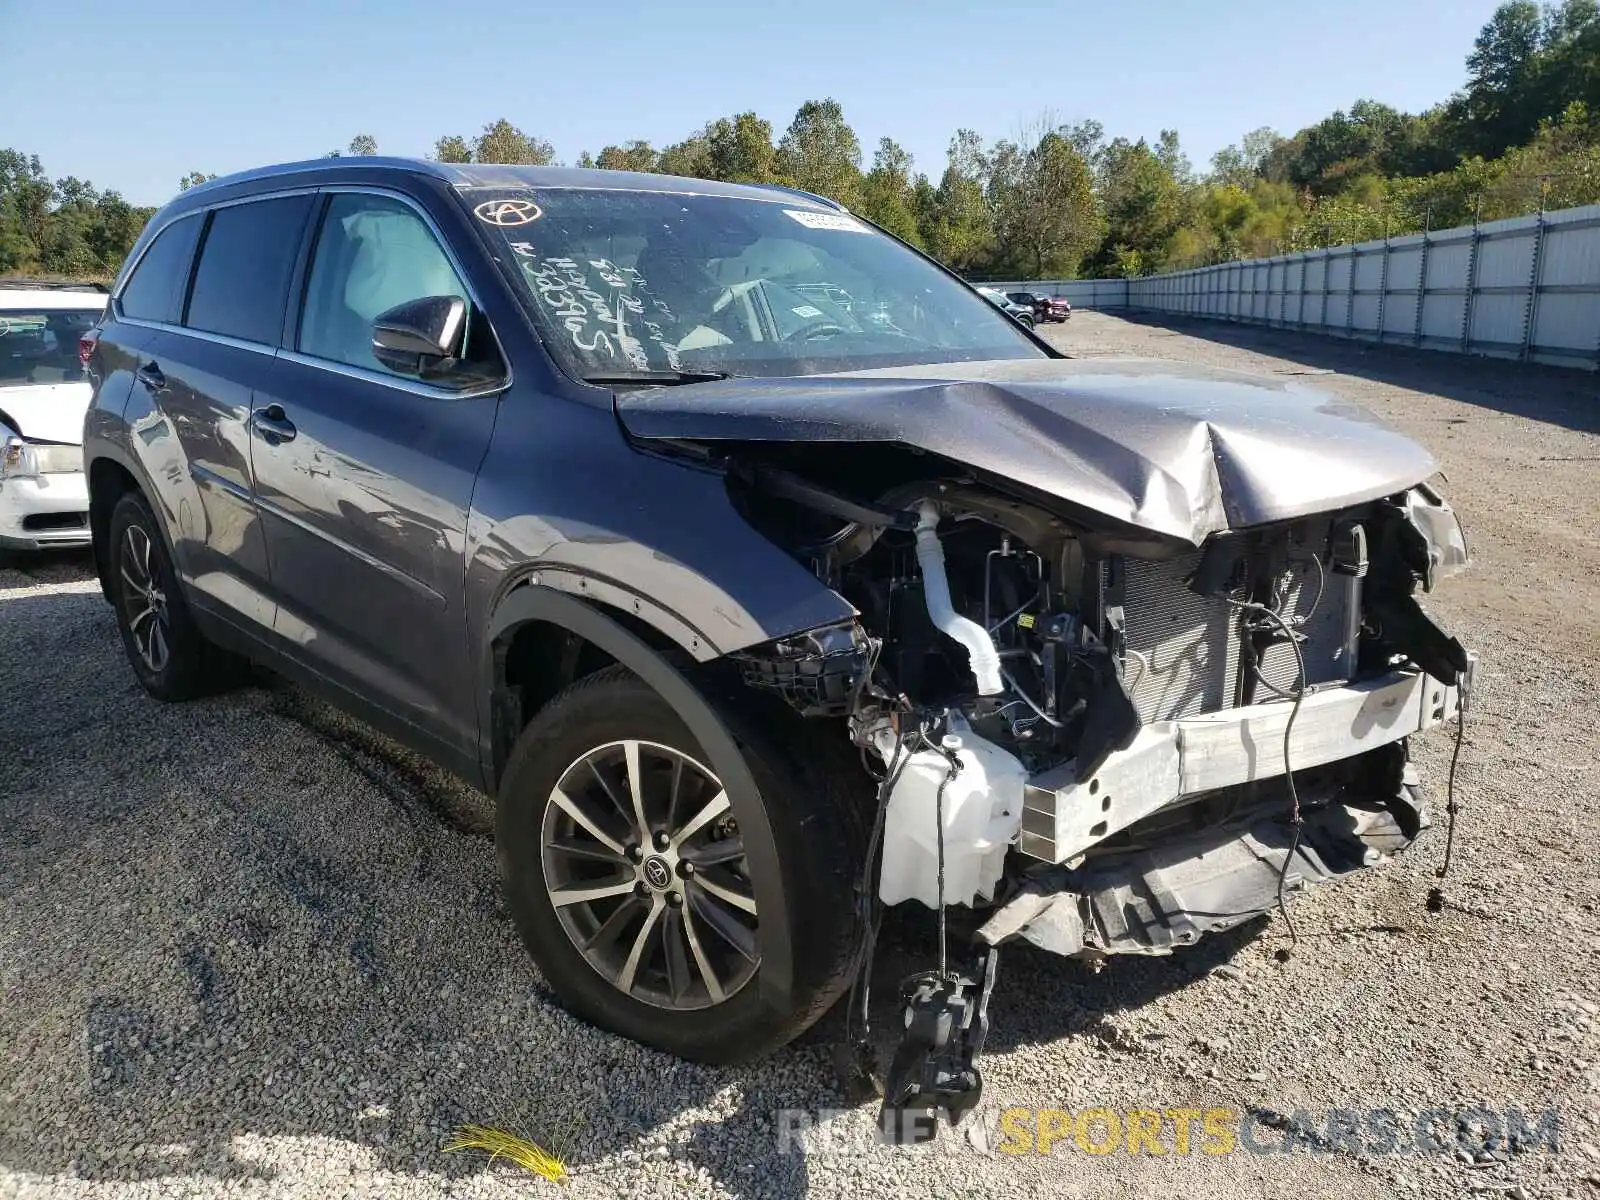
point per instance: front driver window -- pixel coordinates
(373, 253)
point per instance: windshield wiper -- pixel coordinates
(663, 378)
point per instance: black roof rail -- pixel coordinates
(52, 285)
(349, 162)
(794, 191)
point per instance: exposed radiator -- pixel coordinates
(1184, 652)
(1183, 649)
(1330, 633)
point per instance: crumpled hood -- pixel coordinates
(1167, 447)
(46, 412)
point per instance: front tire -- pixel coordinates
(169, 655)
(627, 878)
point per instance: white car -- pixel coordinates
(44, 499)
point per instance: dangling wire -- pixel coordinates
(1295, 821)
(938, 810)
(1451, 807)
(866, 895)
(1436, 893)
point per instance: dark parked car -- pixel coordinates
(1044, 308)
(755, 609)
(1022, 314)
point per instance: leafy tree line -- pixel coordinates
(64, 227)
(1060, 200)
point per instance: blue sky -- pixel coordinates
(133, 96)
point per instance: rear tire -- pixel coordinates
(588, 951)
(169, 655)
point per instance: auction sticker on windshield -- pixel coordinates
(835, 221)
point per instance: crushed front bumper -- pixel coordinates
(1182, 879)
(1171, 760)
(45, 512)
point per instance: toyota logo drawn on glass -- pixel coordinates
(508, 213)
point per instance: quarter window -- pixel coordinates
(373, 253)
(155, 290)
(242, 282)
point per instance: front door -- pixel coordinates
(364, 477)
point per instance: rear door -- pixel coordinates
(198, 376)
(364, 477)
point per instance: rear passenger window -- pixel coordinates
(155, 290)
(372, 254)
(245, 262)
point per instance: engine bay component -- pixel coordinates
(976, 788)
(1028, 688)
(982, 658)
(935, 1066)
(818, 673)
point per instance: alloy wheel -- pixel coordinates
(646, 871)
(144, 604)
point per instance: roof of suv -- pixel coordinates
(472, 175)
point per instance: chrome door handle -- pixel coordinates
(273, 424)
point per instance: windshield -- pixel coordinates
(624, 282)
(40, 345)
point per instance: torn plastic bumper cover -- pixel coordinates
(1155, 899)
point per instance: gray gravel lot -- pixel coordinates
(247, 946)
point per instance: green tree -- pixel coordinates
(1238, 165)
(821, 153)
(452, 149)
(889, 192)
(67, 227)
(690, 157)
(739, 150)
(30, 195)
(958, 227)
(1570, 60)
(1171, 156)
(1088, 138)
(1500, 107)
(1143, 204)
(503, 142)
(194, 179)
(1044, 208)
(363, 144)
(635, 156)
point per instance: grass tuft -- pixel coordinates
(497, 1143)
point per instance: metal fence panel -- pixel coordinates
(1524, 287)
(1337, 314)
(1402, 285)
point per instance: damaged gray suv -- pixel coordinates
(766, 576)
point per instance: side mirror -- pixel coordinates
(420, 337)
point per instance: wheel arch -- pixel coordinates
(109, 479)
(542, 612)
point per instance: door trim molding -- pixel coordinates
(268, 508)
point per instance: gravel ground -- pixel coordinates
(247, 946)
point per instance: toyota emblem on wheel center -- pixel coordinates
(507, 213)
(656, 872)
